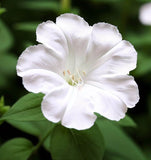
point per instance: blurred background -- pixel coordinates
(18, 22)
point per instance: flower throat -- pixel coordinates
(75, 79)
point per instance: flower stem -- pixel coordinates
(42, 140)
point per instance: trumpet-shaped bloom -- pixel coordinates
(145, 14)
(81, 69)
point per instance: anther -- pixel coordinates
(64, 73)
(84, 73)
(68, 72)
(72, 77)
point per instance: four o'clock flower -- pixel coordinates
(81, 69)
(145, 14)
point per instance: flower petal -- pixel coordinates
(122, 86)
(119, 60)
(77, 32)
(51, 36)
(79, 113)
(39, 57)
(71, 106)
(39, 80)
(54, 104)
(106, 104)
(103, 38)
(144, 14)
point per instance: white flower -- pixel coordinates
(81, 69)
(145, 14)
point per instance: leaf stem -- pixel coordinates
(42, 140)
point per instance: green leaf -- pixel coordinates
(106, 1)
(139, 39)
(144, 65)
(26, 109)
(127, 122)
(117, 143)
(41, 5)
(70, 144)
(3, 108)
(27, 26)
(46, 143)
(8, 64)
(6, 39)
(3, 81)
(2, 10)
(16, 149)
(143, 1)
(36, 128)
(2, 102)
(110, 156)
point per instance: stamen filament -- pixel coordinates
(74, 79)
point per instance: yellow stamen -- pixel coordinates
(72, 77)
(84, 73)
(64, 73)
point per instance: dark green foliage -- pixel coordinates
(69, 144)
(15, 149)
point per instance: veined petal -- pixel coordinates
(119, 60)
(103, 38)
(51, 36)
(122, 86)
(77, 32)
(106, 104)
(39, 57)
(71, 106)
(39, 80)
(79, 113)
(54, 104)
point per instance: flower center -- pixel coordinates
(74, 79)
